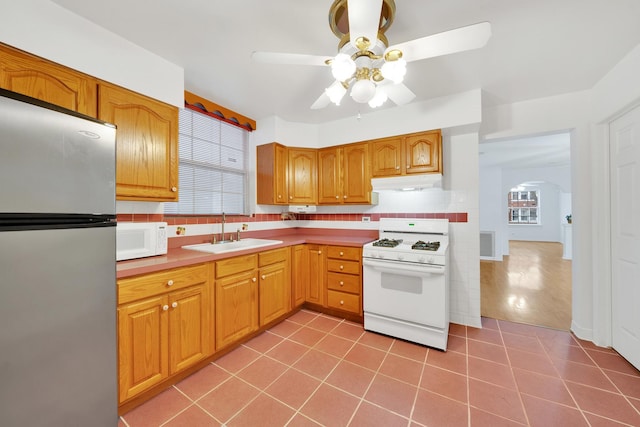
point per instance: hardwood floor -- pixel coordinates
(532, 285)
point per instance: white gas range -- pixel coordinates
(405, 281)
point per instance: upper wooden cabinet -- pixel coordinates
(147, 144)
(272, 174)
(407, 154)
(303, 176)
(344, 175)
(46, 81)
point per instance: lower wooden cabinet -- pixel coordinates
(315, 289)
(299, 274)
(162, 331)
(344, 278)
(274, 284)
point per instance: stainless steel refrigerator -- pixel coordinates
(58, 363)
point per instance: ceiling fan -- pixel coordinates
(365, 62)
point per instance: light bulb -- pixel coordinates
(335, 92)
(342, 67)
(363, 91)
(394, 70)
(379, 98)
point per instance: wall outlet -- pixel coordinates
(366, 219)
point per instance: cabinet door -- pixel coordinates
(142, 345)
(315, 284)
(236, 307)
(386, 157)
(147, 144)
(275, 292)
(329, 176)
(303, 176)
(300, 273)
(271, 183)
(46, 81)
(356, 174)
(189, 330)
(423, 153)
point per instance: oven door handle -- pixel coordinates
(394, 267)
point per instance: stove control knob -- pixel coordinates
(380, 256)
(431, 260)
(400, 257)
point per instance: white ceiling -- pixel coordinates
(538, 48)
(540, 151)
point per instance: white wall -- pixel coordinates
(45, 29)
(548, 229)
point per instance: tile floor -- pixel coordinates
(313, 369)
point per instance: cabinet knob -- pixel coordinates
(263, 277)
(290, 197)
(341, 283)
(279, 196)
(337, 197)
(174, 189)
(165, 307)
(254, 279)
(174, 304)
(344, 197)
(397, 167)
(341, 253)
(170, 283)
(342, 267)
(319, 252)
(408, 167)
(341, 302)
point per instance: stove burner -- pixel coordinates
(387, 243)
(426, 246)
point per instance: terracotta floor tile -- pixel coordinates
(488, 323)
(523, 342)
(457, 344)
(264, 342)
(434, 410)
(588, 345)
(518, 328)
(237, 359)
(543, 386)
(307, 336)
(285, 328)
(203, 381)
(487, 351)
(446, 383)
(348, 331)
(409, 350)
(583, 374)
(496, 400)
(262, 372)
(264, 411)
(598, 421)
(351, 378)
(334, 345)
(485, 334)
(303, 317)
(317, 364)
(458, 330)
(329, 406)
(368, 415)
(381, 342)
(539, 363)
(552, 337)
(323, 323)
(402, 369)
(392, 394)
(628, 384)
(481, 418)
(287, 352)
(604, 403)
(452, 361)
(293, 388)
(494, 373)
(157, 410)
(571, 353)
(193, 416)
(226, 400)
(635, 403)
(543, 413)
(366, 357)
(300, 420)
(613, 361)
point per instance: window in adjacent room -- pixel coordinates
(213, 172)
(523, 207)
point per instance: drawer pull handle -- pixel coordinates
(341, 253)
(342, 267)
(170, 283)
(337, 197)
(263, 277)
(174, 189)
(165, 307)
(341, 283)
(341, 302)
(174, 304)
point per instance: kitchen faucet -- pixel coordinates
(223, 221)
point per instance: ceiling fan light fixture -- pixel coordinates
(336, 92)
(394, 70)
(379, 98)
(363, 91)
(342, 67)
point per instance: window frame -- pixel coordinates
(523, 204)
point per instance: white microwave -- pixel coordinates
(140, 239)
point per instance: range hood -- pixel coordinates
(407, 182)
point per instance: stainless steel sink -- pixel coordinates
(239, 245)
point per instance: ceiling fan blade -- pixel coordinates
(458, 40)
(289, 58)
(322, 101)
(364, 19)
(399, 93)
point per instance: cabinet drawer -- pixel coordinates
(343, 301)
(138, 287)
(236, 265)
(273, 256)
(340, 266)
(344, 282)
(344, 252)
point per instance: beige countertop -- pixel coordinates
(178, 257)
